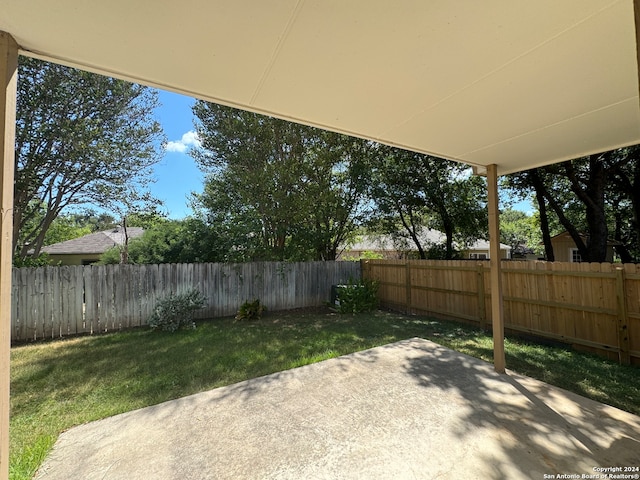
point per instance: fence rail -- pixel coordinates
(592, 306)
(51, 302)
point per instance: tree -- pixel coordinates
(517, 229)
(536, 180)
(275, 189)
(596, 195)
(134, 207)
(625, 201)
(418, 191)
(80, 137)
(171, 241)
(66, 227)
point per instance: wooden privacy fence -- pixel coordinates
(592, 306)
(56, 301)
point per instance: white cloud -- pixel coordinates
(189, 139)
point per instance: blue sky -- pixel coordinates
(177, 174)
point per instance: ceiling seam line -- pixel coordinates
(276, 51)
(501, 67)
(539, 129)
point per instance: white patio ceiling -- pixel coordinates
(515, 83)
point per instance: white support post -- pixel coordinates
(497, 313)
(8, 86)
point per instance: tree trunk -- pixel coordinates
(411, 229)
(124, 251)
(592, 196)
(534, 175)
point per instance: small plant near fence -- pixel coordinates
(357, 296)
(176, 311)
(251, 310)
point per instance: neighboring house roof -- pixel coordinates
(427, 237)
(94, 243)
(484, 245)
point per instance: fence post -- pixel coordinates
(623, 321)
(408, 286)
(482, 309)
(363, 270)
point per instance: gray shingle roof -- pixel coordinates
(427, 237)
(95, 243)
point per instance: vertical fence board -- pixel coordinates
(47, 285)
(622, 320)
(78, 300)
(632, 296)
(90, 299)
(58, 308)
(109, 298)
(98, 322)
(17, 331)
(24, 304)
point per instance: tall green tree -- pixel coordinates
(415, 191)
(595, 195)
(80, 137)
(276, 189)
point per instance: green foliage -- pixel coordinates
(112, 256)
(367, 255)
(438, 251)
(277, 190)
(176, 311)
(358, 296)
(80, 139)
(518, 230)
(174, 241)
(41, 260)
(65, 227)
(414, 192)
(251, 310)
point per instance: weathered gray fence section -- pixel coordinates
(51, 302)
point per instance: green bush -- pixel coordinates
(357, 296)
(251, 310)
(176, 311)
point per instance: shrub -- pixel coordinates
(176, 311)
(251, 310)
(357, 296)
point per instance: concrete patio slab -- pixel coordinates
(411, 409)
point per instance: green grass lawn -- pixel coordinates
(56, 385)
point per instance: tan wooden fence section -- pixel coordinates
(592, 306)
(56, 301)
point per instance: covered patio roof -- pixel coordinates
(501, 85)
(516, 84)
